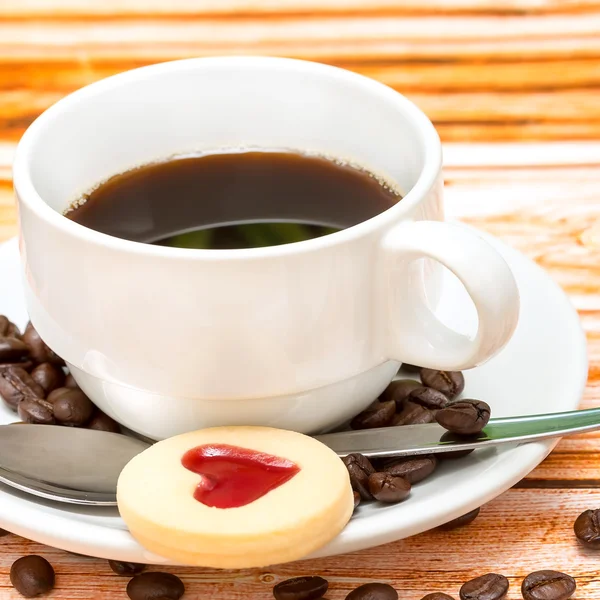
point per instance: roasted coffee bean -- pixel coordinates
(356, 498)
(379, 414)
(486, 587)
(56, 394)
(38, 348)
(154, 585)
(16, 384)
(70, 381)
(71, 407)
(450, 383)
(412, 468)
(410, 368)
(12, 350)
(437, 596)
(48, 376)
(464, 417)
(126, 569)
(32, 576)
(587, 527)
(373, 591)
(548, 585)
(460, 521)
(388, 488)
(398, 391)
(301, 588)
(36, 411)
(102, 422)
(26, 365)
(413, 414)
(8, 328)
(429, 398)
(359, 468)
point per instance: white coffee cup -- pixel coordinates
(300, 336)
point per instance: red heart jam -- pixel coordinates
(233, 476)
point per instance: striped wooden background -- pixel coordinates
(513, 86)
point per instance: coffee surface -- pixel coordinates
(234, 200)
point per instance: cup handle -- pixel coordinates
(413, 333)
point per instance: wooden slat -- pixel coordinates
(476, 76)
(530, 76)
(325, 37)
(520, 131)
(357, 28)
(143, 8)
(206, 31)
(446, 76)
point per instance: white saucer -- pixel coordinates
(543, 369)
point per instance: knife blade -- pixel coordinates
(413, 440)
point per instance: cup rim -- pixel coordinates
(429, 139)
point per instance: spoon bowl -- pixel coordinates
(65, 464)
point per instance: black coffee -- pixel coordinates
(235, 200)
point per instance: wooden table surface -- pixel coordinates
(513, 87)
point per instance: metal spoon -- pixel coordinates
(81, 466)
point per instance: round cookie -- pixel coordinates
(312, 504)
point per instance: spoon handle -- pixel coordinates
(432, 438)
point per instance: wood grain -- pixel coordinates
(511, 85)
(145, 8)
